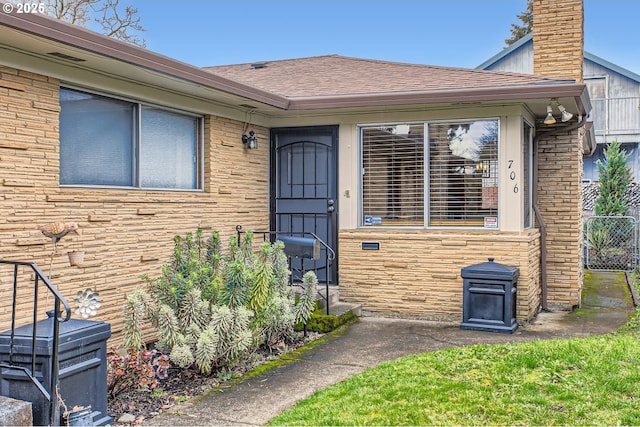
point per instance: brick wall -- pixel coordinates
(558, 38)
(126, 233)
(560, 201)
(417, 272)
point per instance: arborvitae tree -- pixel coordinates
(519, 31)
(615, 177)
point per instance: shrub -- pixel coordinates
(599, 238)
(615, 177)
(141, 369)
(210, 309)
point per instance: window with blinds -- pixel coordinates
(461, 164)
(463, 174)
(393, 175)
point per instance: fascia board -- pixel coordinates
(506, 93)
(80, 38)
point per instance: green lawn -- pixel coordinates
(585, 381)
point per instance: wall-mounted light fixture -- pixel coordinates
(250, 141)
(549, 120)
(565, 116)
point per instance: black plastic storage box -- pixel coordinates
(82, 365)
(489, 300)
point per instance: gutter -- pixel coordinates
(80, 38)
(88, 41)
(465, 94)
(536, 209)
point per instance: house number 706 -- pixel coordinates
(512, 176)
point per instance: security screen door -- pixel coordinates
(304, 185)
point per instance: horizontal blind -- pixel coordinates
(393, 175)
(463, 173)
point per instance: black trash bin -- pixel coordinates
(489, 299)
(82, 358)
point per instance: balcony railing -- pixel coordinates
(616, 116)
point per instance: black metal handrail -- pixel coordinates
(51, 395)
(331, 255)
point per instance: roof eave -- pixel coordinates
(500, 93)
(85, 40)
(80, 38)
(606, 64)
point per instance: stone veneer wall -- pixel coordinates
(558, 51)
(560, 201)
(126, 233)
(558, 38)
(417, 272)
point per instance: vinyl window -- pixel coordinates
(111, 142)
(439, 174)
(393, 175)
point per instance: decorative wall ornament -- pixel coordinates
(87, 303)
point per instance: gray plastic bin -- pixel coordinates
(82, 360)
(489, 299)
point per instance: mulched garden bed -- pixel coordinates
(183, 384)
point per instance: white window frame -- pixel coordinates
(528, 178)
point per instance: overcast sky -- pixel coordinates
(459, 33)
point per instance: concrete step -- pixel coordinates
(336, 307)
(334, 294)
(15, 412)
(339, 308)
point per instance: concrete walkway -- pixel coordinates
(606, 306)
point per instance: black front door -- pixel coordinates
(304, 186)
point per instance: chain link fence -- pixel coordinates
(611, 243)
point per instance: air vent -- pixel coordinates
(258, 65)
(66, 57)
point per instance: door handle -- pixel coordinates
(330, 207)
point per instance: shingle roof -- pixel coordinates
(339, 75)
(316, 83)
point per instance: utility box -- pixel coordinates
(489, 299)
(82, 361)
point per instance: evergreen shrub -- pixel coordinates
(212, 309)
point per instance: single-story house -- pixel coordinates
(408, 172)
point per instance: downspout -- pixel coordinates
(536, 208)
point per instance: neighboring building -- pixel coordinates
(614, 92)
(409, 172)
